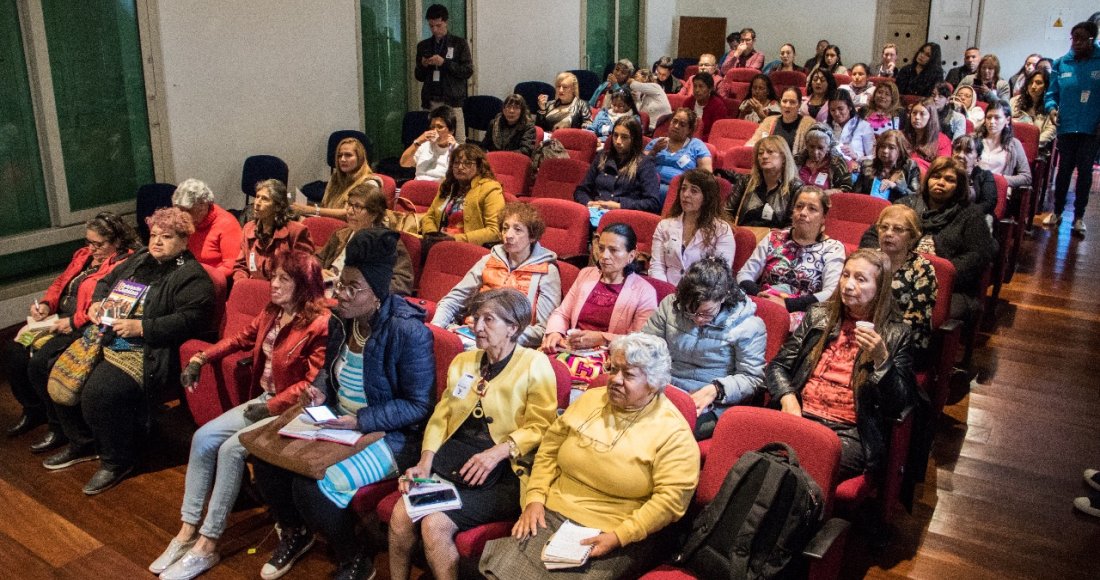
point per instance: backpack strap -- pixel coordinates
(710, 515)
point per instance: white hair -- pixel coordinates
(190, 192)
(648, 354)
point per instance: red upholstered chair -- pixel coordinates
(744, 243)
(224, 384)
(936, 379)
(421, 192)
(642, 222)
(447, 263)
(510, 169)
(389, 187)
(736, 159)
(729, 133)
(741, 74)
(558, 178)
(781, 79)
(876, 80)
(777, 322)
(568, 274)
(644, 117)
(566, 226)
(743, 429)
(221, 286)
(412, 246)
(910, 100)
(1005, 227)
(690, 71)
(842, 79)
(321, 228)
(539, 135)
(740, 88)
(579, 143)
(981, 104)
(851, 215)
(661, 287)
(1028, 135)
(676, 101)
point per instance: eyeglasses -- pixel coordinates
(703, 316)
(885, 229)
(95, 245)
(356, 207)
(349, 292)
(465, 163)
(513, 106)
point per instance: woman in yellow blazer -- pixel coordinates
(470, 199)
(501, 398)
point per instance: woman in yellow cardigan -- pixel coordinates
(500, 400)
(470, 199)
(621, 460)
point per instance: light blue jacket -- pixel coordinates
(1070, 81)
(729, 349)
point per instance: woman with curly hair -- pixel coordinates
(271, 231)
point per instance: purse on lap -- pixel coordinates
(69, 373)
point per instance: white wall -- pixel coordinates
(660, 20)
(257, 77)
(1005, 33)
(506, 53)
(802, 24)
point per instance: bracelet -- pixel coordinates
(513, 449)
(316, 210)
(721, 390)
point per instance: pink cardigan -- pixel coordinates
(637, 301)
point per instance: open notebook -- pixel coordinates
(302, 427)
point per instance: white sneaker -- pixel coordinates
(190, 565)
(175, 550)
(1089, 505)
(1052, 220)
(1079, 227)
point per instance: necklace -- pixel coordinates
(357, 336)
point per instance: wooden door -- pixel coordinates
(904, 23)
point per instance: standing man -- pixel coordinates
(743, 55)
(1073, 81)
(969, 66)
(444, 64)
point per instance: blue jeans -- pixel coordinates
(215, 468)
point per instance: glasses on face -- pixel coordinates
(465, 163)
(889, 229)
(356, 207)
(703, 316)
(513, 106)
(349, 292)
(94, 244)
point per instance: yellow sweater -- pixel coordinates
(642, 484)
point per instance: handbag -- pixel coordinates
(454, 453)
(403, 218)
(72, 368)
(310, 458)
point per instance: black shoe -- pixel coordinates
(104, 479)
(361, 568)
(293, 544)
(69, 457)
(51, 441)
(25, 423)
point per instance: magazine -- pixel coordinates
(427, 498)
(122, 300)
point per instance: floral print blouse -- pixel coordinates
(914, 288)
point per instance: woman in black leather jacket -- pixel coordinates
(849, 366)
(567, 109)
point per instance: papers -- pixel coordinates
(34, 329)
(302, 427)
(428, 498)
(564, 550)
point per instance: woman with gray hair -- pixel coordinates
(715, 339)
(820, 163)
(620, 459)
(217, 238)
(500, 400)
(272, 230)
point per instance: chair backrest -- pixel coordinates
(739, 89)
(969, 127)
(511, 170)
(260, 167)
(945, 285)
(587, 82)
(336, 137)
(741, 74)
(558, 178)
(683, 402)
(321, 228)
(530, 91)
(777, 322)
(564, 381)
(220, 288)
(412, 246)
(644, 116)
(661, 287)
(842, 79)
(566, 226)
(579, 143)
(733, 105)
(247, 299)
(661, 130)
(851, 215)
(421, 192)
(729, 133)
(150, 198)
(445, 347)
(413, 124)
(741, 429)
(1028, 135)
(389, 187)
(1002, 196)
(910, 100)
(676, 100)
(744, 243)
(689, 72)
(447, 263)
(781, 79)
(479, 110)
(568, 274)
(982, 105)
(737, 159)
(643, 223)
(879, 80)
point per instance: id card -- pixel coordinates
(463, 386)
(821, 179)
(450, 52)
(435, 76)
(1085, 96)
(767, 213)
(252, 261)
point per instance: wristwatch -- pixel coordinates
(513, 449)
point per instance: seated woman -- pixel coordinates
(820, 89)
(883, 113)
(853, 135)
(567, 110)
(914, 283)
(621, 105)
(679, 152)
(27, 361)
(649, 96)
(820, 163)
(467, 207)
(922, 131)
(850, 377)
(954, 229)
(271, 231)
(952, 122)
(141, 350)
(887, 67)
(830, 61)
(716, 341)
(621, 460)
(1018, 82)
(519, 262)
(860, 88)
(607, 300)
(287, 343)
(790, 124)
(351, 170)
(890, 174)
(217, 238)
(920, 76)
(763, 199)
(430, 153)
(696, 227)
(1029, 107)
(513, 129)
(762, 102)
(620, 176)
(787, 56)
(366, 209)
(1002, 153)
(378, 376)
(967, 105)
(987, 82)
(709, 107)
(500, 400)
(798, 266)
(967, 149)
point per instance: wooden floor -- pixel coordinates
(997, 502)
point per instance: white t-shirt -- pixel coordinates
(994, 157)
(431, 161)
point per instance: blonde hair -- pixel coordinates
(773, 143)
(907, 215)
(568, 77)
(336, 192)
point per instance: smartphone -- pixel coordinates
(432, 497)
(466, 331)
(320, 413)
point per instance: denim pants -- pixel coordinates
(215, 468)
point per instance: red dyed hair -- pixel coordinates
(171, 219)
(309, 287)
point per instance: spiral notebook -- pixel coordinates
(564, 550)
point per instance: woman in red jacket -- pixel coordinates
(287, 341)
(271, 231)
(108, 241)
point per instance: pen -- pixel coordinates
(419, 479)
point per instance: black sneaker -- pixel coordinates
(361, 568)
(293, 544)
(69, 457)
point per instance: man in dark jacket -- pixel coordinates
(968, 67)
(443, 65)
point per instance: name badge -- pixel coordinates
(683, 161)
(435, 76)
(450, 52)
(820, 179)
(464, 385)
(1085, 96)
(767, 213)
(1067, 74)
(252, 261)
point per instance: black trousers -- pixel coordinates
(110, 416)
(296, 501)
(853, 462)
(1078, 151)
(28, 372)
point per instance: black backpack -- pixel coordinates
(766, 511)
